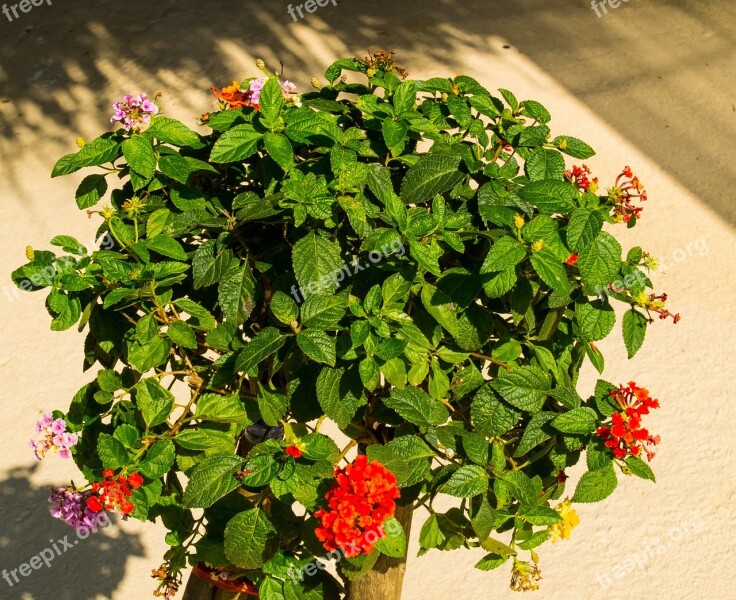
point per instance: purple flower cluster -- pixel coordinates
(134, 112)
(70, 506)
(256, 86)
(56, 437)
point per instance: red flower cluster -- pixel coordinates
(626, 435)
(655, 304)
(294, 452)
(572, 260)
(578, 176)
(114, 492)
(359, 503)
(627, 188)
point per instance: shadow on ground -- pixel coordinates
(88, 570)
(659, 72)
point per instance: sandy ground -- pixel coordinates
(651, 84)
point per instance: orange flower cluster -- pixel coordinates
(231, 96)
(626, 435)
(114, 492)
(360, 502)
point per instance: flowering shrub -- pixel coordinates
(452, 365)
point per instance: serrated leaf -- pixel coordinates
(111, 451)
(466, 482)
(506, 253)
(139, 154)
(318, 346)
(417, 407)
(596, 319)
(263, 345)
(211, 480)
(158, 460)
(173, 132)
(433, 174)
(580, 420)
(635, 331)
(600, 263)
(526, 388)
(595, 486)
(490, 415)
(154, 401)
(250, 539)
(583, 228)
(89, 192)
(237, 144)
(639, 468)
(340, 395)
(549, 196)
(407, 457)
(316, 262)
(573, 147)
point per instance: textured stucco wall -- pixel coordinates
(652, 84)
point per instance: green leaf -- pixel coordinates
(139, 153)
(182, 335)
(582, 230)
(596, 319)
(324, 312)
(526, 388)
(431, 534)
(146, 329)
(540, 515)
(111, 451)
(237, 292)
(279, 148)
(318, 346)
(550, 196)
(158, 460)
(211, 480)
(536, 432)
(284, 308)
(250, 539)
(433, 174)
(271, 101)
(316, 446)
(394, 543)
(209, 264)
(595, 486)
(581, 420)
(272, 406)
(89, 192)
(394, 135)
(490, 562)
(407, 457)
(236, 145)
(173, 132)
(316, 261)
(154, 401)
(490, 415)
(146, 356)
(109, 380)
(639, 468)
(221, 409)
(263, 345)
(551, 270)
(466, 482)
(166, 246)
(635, 330)
(600, 263)
(417, 407)
(506, 253)
(573, 147)
(340, 394)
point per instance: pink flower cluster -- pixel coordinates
(134, 112)
(55, 438)
(70, 506)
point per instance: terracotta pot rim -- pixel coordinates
(242, 586)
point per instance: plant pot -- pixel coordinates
(202, 585)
